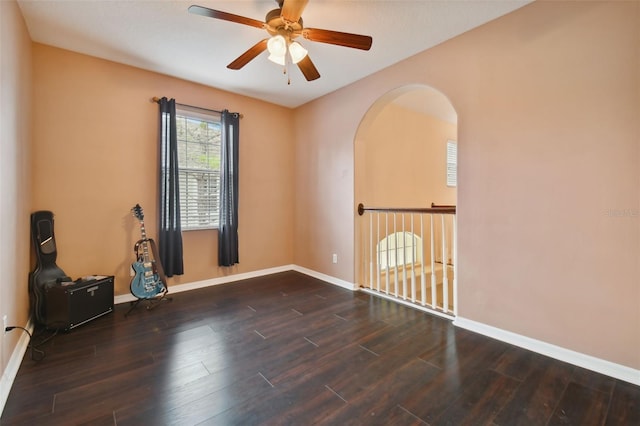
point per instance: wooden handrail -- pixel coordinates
(442, 206)
(435, 209)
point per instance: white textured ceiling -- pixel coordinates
(161, 36)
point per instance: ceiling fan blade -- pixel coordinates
(292, 9)
(217, 14)
(336, 37)
(247, 56)
(308, 69)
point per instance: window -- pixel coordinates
(452, 163)
(399, 249)
(199, 167)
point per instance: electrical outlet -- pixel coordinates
(4, 323)
(335, 258)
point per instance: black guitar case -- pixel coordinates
(46, 273)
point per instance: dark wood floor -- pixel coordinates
(289, 349)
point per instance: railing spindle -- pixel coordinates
(423, 281)
(445, 279)
(433, 267)
(404, 261)
(413, 262)
(370, 252)
(395, 251)
(455, 265)
(378, 254)
(386, 232)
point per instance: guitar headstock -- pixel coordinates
(137, 212)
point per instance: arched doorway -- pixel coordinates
(404, 163)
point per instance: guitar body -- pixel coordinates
(146, 282)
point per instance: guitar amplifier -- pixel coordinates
(69, 305)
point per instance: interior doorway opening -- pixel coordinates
(405, 179)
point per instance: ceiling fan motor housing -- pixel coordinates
(276, 24)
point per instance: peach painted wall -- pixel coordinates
(95, 156)
(15, 182)
(548, 103)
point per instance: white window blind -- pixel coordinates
(452, 163)
(199, 167)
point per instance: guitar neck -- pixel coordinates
(145, 247)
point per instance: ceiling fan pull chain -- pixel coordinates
(287, 61)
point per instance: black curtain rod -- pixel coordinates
(157, 100)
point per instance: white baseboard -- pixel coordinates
(589, 362)
(10, 372)
(326, 278)
(125, 298)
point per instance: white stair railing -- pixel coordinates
(393, 253)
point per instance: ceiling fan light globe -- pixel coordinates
(277, 45)
(278, 59)
(297, 52)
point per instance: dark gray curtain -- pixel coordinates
(170, 233)
(228, 231)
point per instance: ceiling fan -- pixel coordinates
(284, 25)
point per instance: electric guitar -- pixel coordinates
(146, 283)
